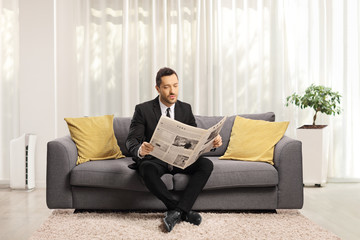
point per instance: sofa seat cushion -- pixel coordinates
(234, 174)
(113, 174)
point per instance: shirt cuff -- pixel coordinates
(138, 154)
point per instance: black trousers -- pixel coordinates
(151, 171)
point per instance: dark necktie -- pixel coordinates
(168, 115)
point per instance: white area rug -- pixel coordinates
(286, 224)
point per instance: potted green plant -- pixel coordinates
(315, 138)
(321, 99)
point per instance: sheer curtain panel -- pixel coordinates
(232, 57)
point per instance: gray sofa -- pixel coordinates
(233, 185)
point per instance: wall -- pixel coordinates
(37, 110)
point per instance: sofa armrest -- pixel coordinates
(288, 162)
(61, 159)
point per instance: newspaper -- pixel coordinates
(180, 144)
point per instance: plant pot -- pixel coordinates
(315, 149)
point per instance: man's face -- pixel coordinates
(168, 90)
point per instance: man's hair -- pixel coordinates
(164, 72)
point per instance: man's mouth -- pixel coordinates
(172, 96)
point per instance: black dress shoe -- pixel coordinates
(193, 218)
(171, 218)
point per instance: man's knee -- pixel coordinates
(206, 165)
(147, 169)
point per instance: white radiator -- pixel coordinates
(22, 162)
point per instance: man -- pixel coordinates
(151, 169)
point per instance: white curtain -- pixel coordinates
(9, 41)
(231, 56)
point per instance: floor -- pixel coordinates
(335, 207)
(21, 213)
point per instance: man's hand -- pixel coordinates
(145, 149)
(217, 141)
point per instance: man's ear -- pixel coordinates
(157, 88)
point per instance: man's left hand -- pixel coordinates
(217, 141)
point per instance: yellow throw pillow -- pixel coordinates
(254, 140)
(94, 138)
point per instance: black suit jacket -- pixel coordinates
(145, 119)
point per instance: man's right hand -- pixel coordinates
(145, 149)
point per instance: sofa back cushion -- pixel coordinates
(206, 122)
(121, 129)
(122, 125)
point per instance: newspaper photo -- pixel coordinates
(180, 144)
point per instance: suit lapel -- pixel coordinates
(178, 111)
(156, 108)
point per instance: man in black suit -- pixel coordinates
(151, 169)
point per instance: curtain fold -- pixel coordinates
(231, 56)
(9, 54)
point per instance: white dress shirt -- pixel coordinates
(164, 108)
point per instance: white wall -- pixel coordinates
(36, 77)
